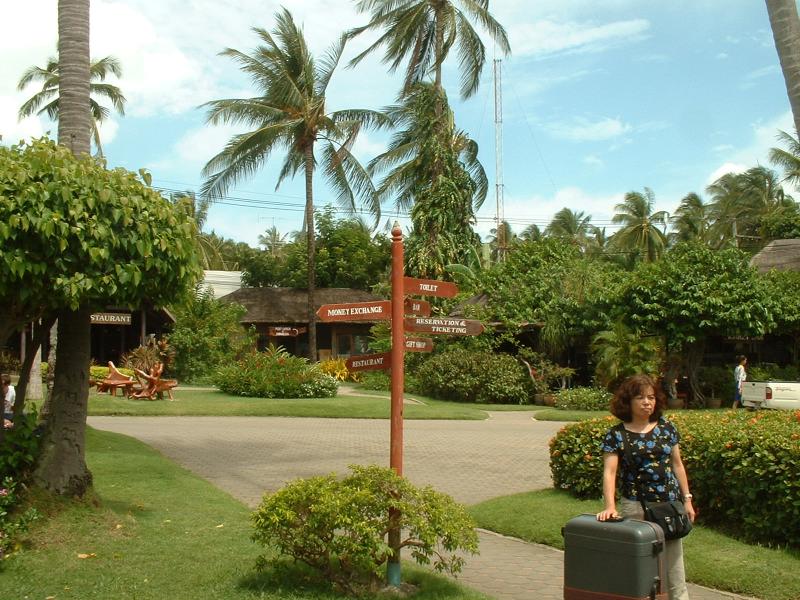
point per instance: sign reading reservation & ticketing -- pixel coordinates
(369, 362)
(443, 325)
(356, 311)
(429, 287)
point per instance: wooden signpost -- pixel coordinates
(369, 362)
(412, 306)
(355, 311)
(444, 325)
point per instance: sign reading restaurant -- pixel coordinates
(111, 319)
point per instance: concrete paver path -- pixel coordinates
(470, 460)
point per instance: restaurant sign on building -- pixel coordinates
(111, 319)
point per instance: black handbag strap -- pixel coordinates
(626, 446)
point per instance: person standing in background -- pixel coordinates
(9, 397)
(739, 376)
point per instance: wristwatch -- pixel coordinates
(687, 496)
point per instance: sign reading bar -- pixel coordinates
(369, 362)
(429, 287)
(286, 331)
(417, 307)
(418, 344)
(111, 319)
(356, 311)
(443, 325)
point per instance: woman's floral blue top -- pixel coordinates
(651, 456)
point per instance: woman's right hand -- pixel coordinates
(609, 513)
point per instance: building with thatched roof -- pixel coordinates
(280, 316)
(781, 255)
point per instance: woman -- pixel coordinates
(739, 377)
(657, 470)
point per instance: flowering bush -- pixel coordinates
(337, 368)
(20, 447)
(744, 468)
(11, 526)
(275, 374)
(339, 527)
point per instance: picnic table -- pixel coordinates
(115, 381)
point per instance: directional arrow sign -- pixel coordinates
(418, 344)
(417, 307)
(429, 287)
(369, 362)
(356, 311)
(443, 325)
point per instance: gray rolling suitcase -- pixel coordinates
(613, 560)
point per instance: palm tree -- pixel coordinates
(424, 31)
(273, 241)
(691, 220)
(575, 227)
(501, 239)
(786, 31)
(209, 247)
(787, 159)
(46, 101)
(531, 233)
(640, 233)
(290, 113)
(726, 209)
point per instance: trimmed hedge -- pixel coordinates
(583, 398)
(472, 376)
(744, 468)
(275, 374)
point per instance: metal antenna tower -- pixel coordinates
(498, 159)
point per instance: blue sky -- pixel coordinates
(600, 97)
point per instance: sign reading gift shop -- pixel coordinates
(286, 331)
(111, 319)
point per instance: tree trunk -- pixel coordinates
(694, 358)
(786, 31)
(28, 374)
(75, 120)
(62, 467)
(312, 314)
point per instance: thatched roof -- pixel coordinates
(781, 255)
(288, 305)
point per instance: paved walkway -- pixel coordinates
(470, 460)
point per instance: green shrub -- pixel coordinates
(744, 468)
(339, 527)
(275, 374)
(717, 382)
(8, 363)
(771, 371)
(474, 376)
(100, 373)
(12, 525)
(583, 398)
(20, 446)
(376, 380)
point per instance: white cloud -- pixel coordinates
(546, 37)
(11, 130)
(594, 161)
(722, 55)
(752, 78)
(583, 130)
(724, 169)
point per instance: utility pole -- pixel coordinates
(498, 161)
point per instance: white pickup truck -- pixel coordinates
(771, 394)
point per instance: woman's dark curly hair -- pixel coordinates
(630, 388)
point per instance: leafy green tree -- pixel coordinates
(695, 292)
(422, 32)
(640, 234)
(782, 225)
(784, 305)
(207, 335)
(619, 353)
(77, 237)
(291, 113)
(46, 101)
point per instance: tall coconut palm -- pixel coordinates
(640, 233)
(422, 32)
(46, 101)
(291, 114)
(62, 465)
(573, 226)
(209, 246)
(501, 239)
(273, 241)
(786, 31)
(531, 233)
(787, 158)
(691, 220)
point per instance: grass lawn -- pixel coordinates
(712, 559)
(215, 403)
(154, 531)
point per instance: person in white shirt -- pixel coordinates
(9, 397)
(739, 376)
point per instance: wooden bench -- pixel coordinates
(115, 381)
(151, 384)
